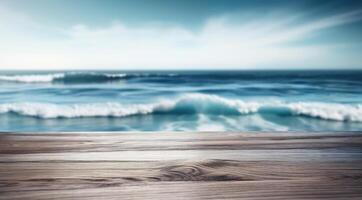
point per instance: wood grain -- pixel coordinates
(181, 166)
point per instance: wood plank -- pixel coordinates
(181, 166)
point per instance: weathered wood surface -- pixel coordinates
(180, 166)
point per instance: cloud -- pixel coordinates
(257, 43)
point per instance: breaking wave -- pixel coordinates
(78, 77)
(73, 77)
(188, 104)
(32, 78)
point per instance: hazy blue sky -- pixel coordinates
(183, 34)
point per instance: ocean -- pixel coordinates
(67, 101)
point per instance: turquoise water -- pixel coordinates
(181, 101)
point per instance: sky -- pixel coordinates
(180, 34)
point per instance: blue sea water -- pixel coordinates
(181, 101)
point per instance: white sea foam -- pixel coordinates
(32, 78)
(329, 111)
(43, 78)
(110, 75)
(116, 75)
(186, 104)
(205, 124)
(43, 110)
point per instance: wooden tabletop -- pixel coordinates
(181, 166)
